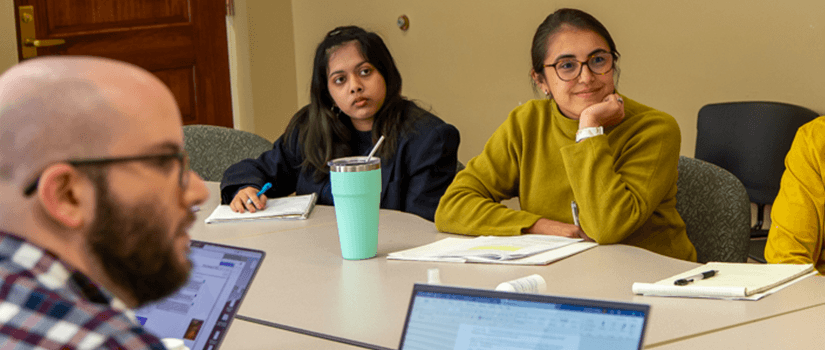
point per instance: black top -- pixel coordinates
(413, 180)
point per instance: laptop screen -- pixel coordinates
(201, 311)
(441, 317)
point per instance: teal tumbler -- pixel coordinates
(356, 191)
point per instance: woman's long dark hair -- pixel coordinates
(324, 134)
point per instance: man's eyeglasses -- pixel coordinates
(568, 69)
(181, 157)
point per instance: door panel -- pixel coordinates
(71, 16)
(180, 81)
(183, 42)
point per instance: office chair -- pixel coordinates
(750, 140)
(212, 149)
(715, 208)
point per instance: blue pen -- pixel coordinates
(263, 190)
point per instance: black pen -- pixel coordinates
(701, 276)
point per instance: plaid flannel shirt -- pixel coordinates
(45, 304)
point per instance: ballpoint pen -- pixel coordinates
(575, 208)
(687, 280)
(266, 187)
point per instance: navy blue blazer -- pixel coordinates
(413, 180)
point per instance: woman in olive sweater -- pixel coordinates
(616, 158)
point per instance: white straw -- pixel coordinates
(375, 148)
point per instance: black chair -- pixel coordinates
(750, 140)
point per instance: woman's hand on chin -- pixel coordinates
(609, 112)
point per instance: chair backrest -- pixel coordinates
(212, 149)
(750, 139)
(716, 210)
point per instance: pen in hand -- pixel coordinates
(263, 190)
(687, 280)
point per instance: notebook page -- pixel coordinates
(293, 207)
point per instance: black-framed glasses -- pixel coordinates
(599, 63)
(181, 157)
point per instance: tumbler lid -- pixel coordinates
(354, 164)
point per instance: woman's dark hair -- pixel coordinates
(325, 134)
(554, 22)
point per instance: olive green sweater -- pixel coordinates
(624, 182)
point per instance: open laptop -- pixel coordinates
(441, 317)
(201, 311)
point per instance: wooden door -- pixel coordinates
(183, 42)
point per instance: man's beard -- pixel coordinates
(133, 245)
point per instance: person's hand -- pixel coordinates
(609, 112)
(239, 203)
(555, 228)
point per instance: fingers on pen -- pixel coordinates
(258, 203)
(252, 204)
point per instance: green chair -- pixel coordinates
(715, 207)
(212, 149)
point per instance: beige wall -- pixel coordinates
(262, 60)
(8, 35)
(469, 59)
(272, 64)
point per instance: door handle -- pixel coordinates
(28, 40)
(43, 43)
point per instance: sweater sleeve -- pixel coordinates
(431, 170)
(617, 194)
(280, 166)
(472, 205)
(796, 232)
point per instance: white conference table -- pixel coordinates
(795, 330)
(252, 336)
(305, 284)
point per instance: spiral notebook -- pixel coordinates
(284, 208)
(741, 281)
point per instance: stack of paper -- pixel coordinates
(515, 250)
(294, 207)
(732, 281)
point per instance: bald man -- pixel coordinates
(96, 199)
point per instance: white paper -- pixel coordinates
(293, 207)
(735, 281)
(547, 249)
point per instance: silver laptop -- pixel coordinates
(200, 313)
(441, 317)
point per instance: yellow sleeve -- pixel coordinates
(471, 205)
(617, 191)
(797, 216)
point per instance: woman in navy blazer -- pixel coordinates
(355, 97)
